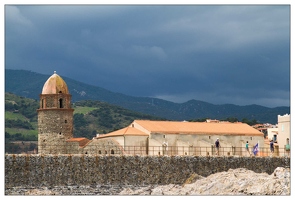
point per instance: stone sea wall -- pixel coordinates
(62, 170)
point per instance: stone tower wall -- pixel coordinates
(53, 101)
(55, 126)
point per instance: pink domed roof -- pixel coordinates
(54, 85)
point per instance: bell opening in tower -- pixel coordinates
(60, 103)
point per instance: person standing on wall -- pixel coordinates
(217, 146)
(247, 148)
(271, 145)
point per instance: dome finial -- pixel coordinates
(54, 72)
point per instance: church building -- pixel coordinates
(141, 137)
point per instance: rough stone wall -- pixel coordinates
(105, 146)
(55, 126)
(59, 170)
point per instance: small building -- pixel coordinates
(272, 134)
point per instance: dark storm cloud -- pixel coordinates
(218, 54)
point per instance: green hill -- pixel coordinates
(29, 84)
(90, 118)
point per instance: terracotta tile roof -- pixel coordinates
(82, 141)
(124, 132)
(198, 128)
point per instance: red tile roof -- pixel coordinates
(175, 127)
(81, 141)
(125, 132)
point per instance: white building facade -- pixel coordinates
(284, 132)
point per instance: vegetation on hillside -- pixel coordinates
(104, 118)
(29, 84)
(90, 118)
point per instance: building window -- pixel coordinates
(99, 152)
(60, 103)
(251, 138)
(42, 103)
(66, 121)
(106, 152)
(112, 151)
(209, 137)
(59, 133)
(164, 136)
(275, 138)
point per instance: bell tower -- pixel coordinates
(55, 116)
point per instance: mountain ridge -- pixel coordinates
(29, 84)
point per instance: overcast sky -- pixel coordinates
(218, 54)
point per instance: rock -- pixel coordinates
(233, 182)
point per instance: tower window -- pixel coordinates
(60, 103)
(66, 121)
(42, 103)
(112, 151)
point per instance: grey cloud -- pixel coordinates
(213, 53)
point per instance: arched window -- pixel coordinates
(60, 103)
(99, 152)
(112, 151)
(42, 103)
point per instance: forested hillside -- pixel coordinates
(29, 84)
(90, 118)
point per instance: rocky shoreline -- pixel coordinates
(233, 182)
